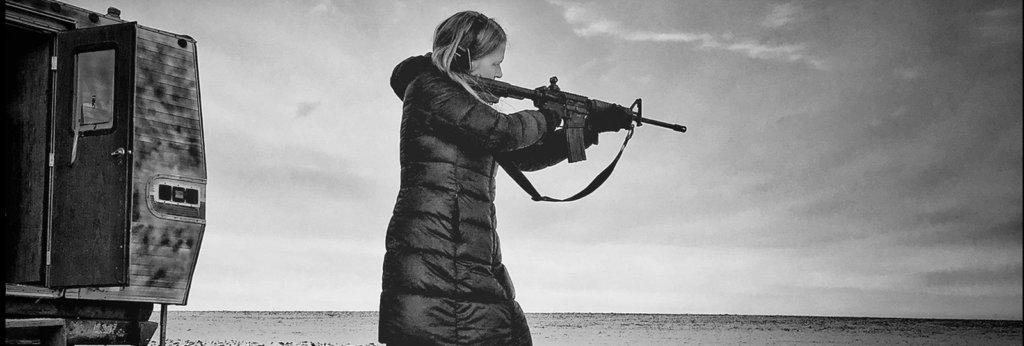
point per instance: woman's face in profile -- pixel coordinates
(488, 66)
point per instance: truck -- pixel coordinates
(104, 195)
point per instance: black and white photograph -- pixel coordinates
(498, 172)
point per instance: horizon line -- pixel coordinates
(994, 318)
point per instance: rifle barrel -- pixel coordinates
(676, 127)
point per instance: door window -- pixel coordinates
(94, 90)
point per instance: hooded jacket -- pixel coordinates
(444, 282)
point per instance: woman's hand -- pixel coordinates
(551, 116)
(611, 118)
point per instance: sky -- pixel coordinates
(843, 158)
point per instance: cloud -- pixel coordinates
(321, 7)
(965, 227)
(908, 73)
(587, 22)
(1000, 26)
(261, 169)
(1006, 275)
(791, 52)
(302, 183)
(781, 15)
(306, 108)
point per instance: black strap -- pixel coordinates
(524, 183)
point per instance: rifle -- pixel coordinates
(573, 109)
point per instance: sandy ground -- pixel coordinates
(360, 328)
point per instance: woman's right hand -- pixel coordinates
(551, 116)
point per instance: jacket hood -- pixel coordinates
(408, 70)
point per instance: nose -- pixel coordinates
(498, 74)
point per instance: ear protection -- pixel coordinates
(462, 57)
(461, 60)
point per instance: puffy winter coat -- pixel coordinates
(443, 280)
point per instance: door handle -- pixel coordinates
(120, 152)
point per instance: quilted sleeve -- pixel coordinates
(457, 116)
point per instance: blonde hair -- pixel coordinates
(470, 33)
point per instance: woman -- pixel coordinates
(443, 280)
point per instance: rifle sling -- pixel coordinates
(524, 183)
